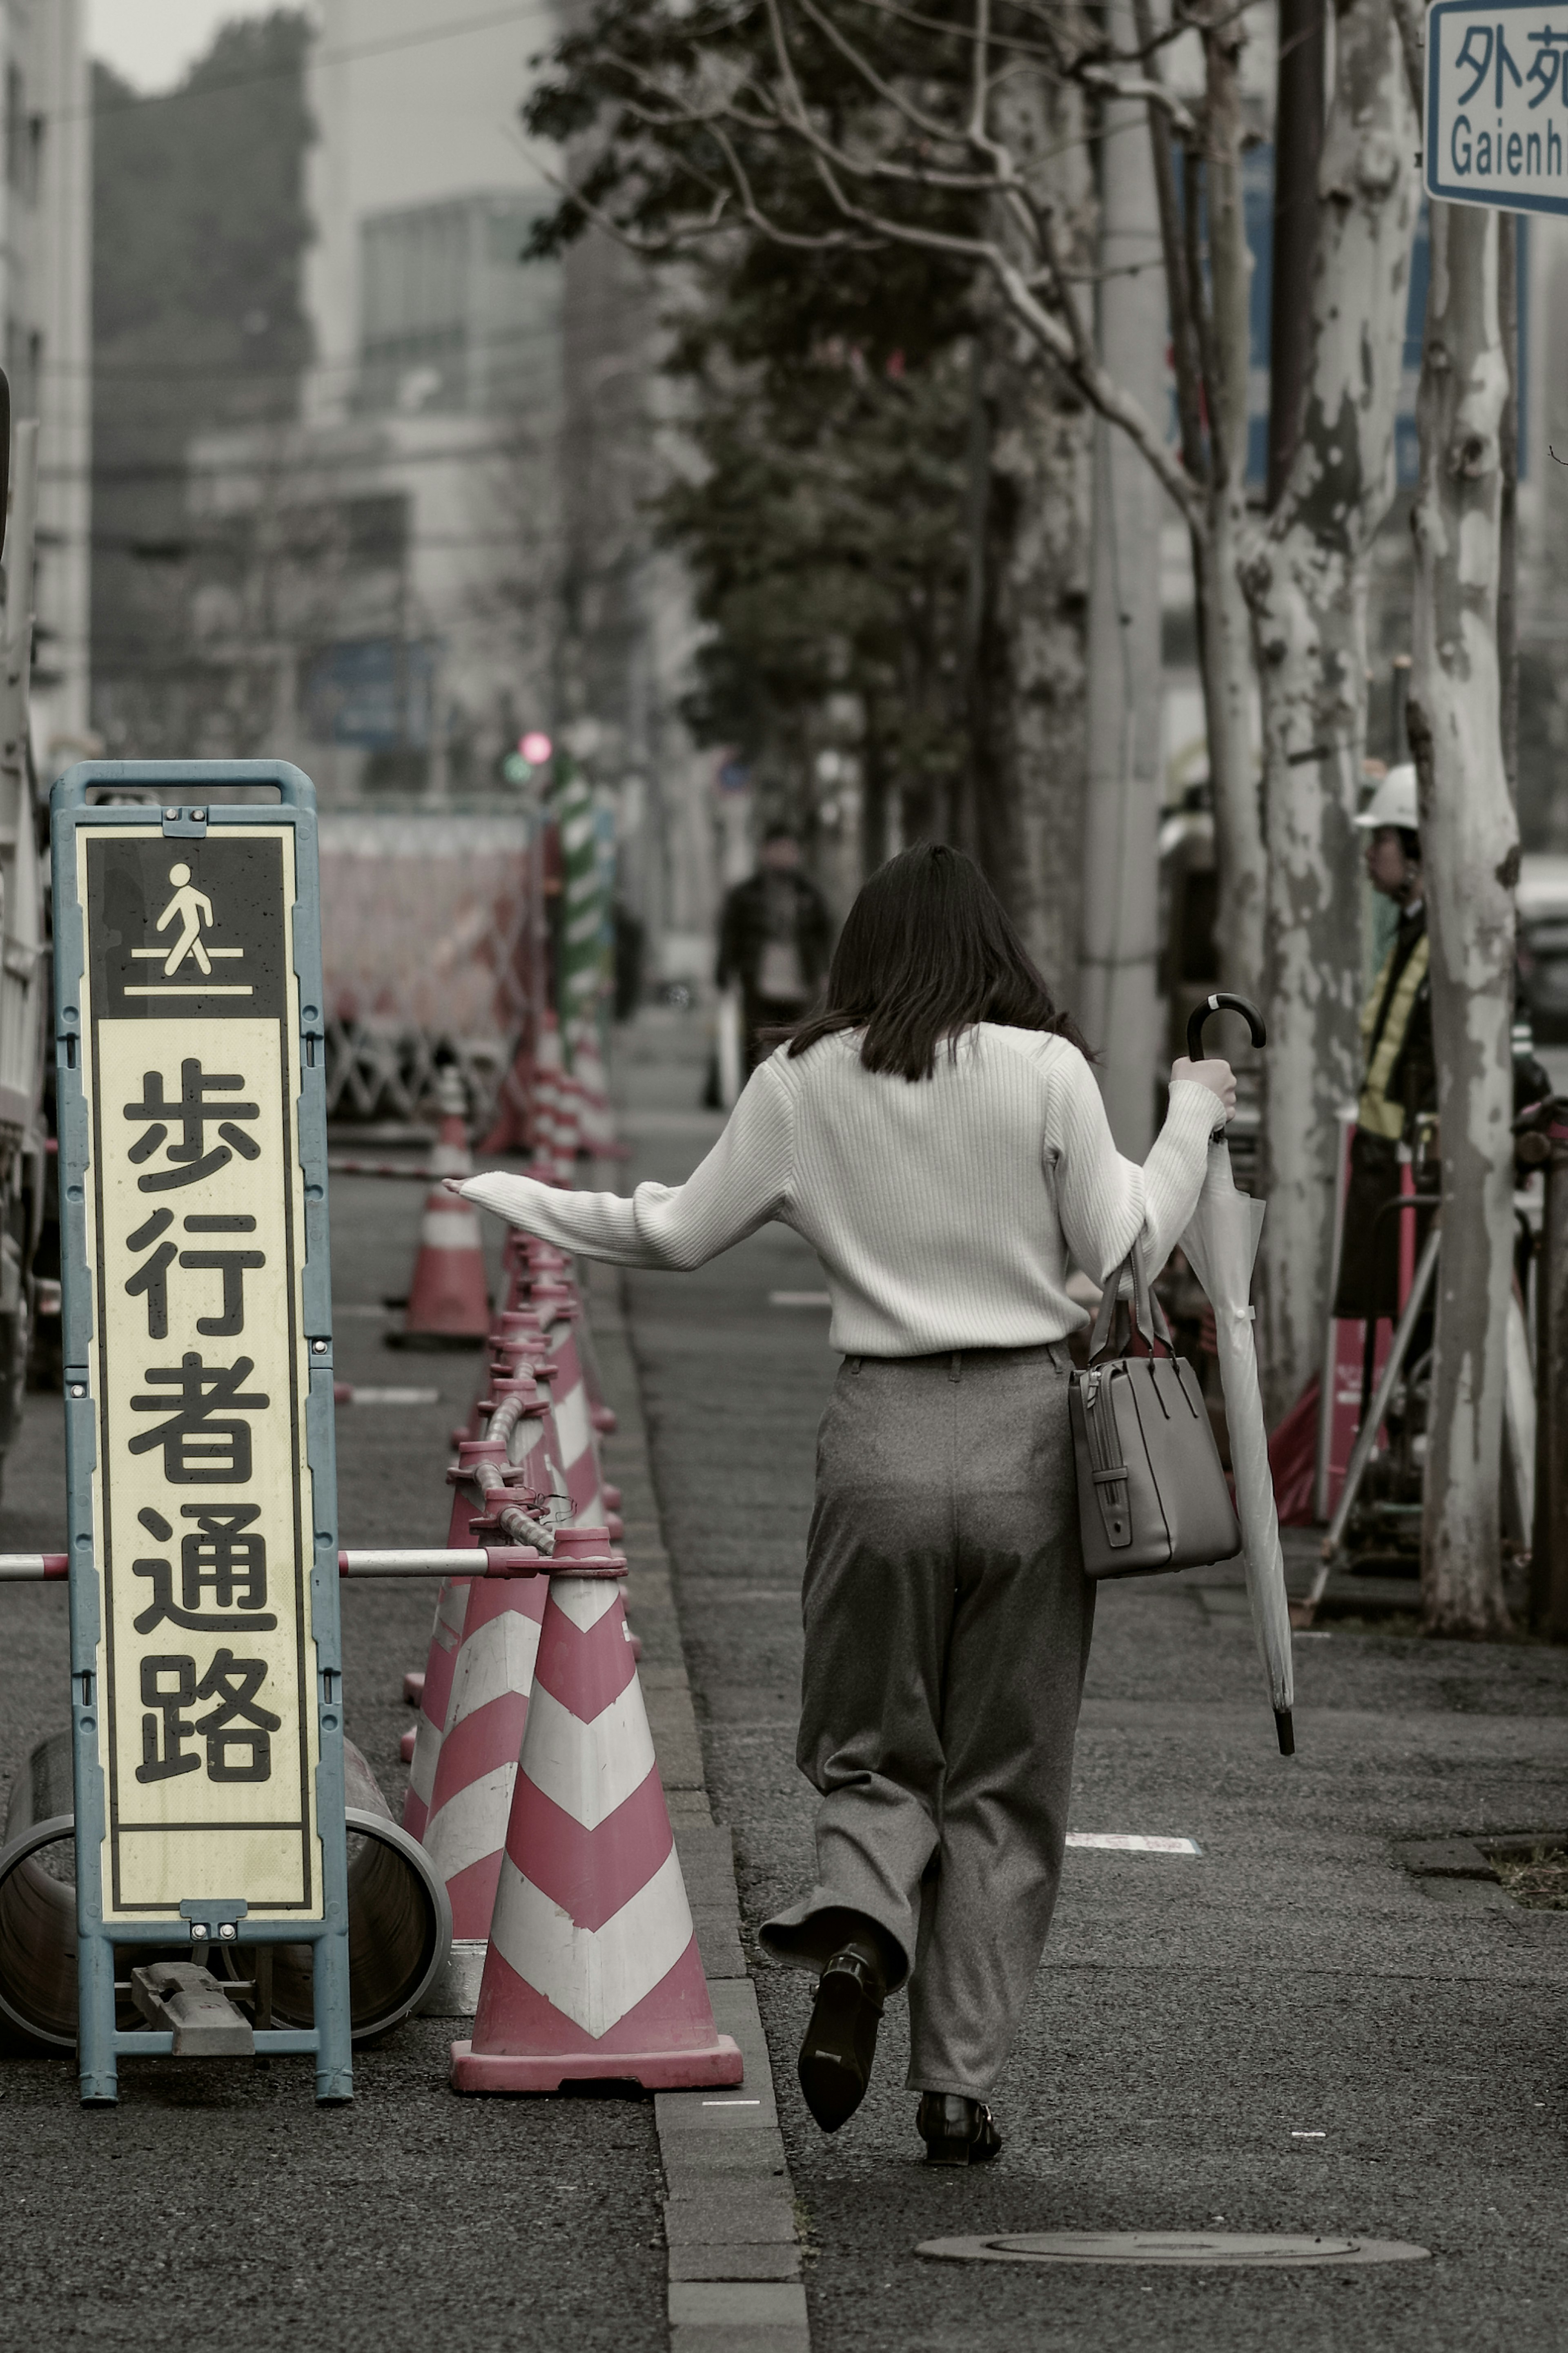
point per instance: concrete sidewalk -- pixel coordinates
(1291, 2032)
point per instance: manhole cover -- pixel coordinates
(1227, 2247)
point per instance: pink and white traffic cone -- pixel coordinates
(471, 1799)
(592, 1970)
(446, 1634)
(448, 1298)
(521, 1352)
(451, 1604)
(557, 1307)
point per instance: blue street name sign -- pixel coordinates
(206, 1672)
(1497, 104)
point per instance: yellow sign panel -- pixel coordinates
(199, 1371)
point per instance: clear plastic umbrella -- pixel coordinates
(1221, 1243)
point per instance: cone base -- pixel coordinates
(718, 2062)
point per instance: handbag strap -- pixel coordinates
(1148, 1316)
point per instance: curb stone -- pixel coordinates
(734, 2249)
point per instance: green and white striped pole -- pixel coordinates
(584, 965)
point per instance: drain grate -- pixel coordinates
(1231, 2249)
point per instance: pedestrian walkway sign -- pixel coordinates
(207, 1676)
(1497, 104)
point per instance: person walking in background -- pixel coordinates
(935, 1132)
(774, 937)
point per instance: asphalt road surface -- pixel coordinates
(1287, 2032)
(1290, 2032)
(217, 2205)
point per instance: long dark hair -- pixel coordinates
(926, 950)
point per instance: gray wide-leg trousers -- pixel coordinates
(947, 1631)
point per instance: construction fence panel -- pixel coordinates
(427, 945)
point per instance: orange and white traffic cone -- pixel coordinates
(592, 1970)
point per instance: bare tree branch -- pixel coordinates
(1184, 354)
(1153, 91)
(913, 115)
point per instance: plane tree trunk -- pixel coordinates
(1470, 853)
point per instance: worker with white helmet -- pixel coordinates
(1399, 1083)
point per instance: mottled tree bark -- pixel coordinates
(1031, 667)
(1307, 584)
(1223, 625)
(1032, 711)
(1117, 1000)
(1470, 844)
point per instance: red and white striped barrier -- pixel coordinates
(593, 1969)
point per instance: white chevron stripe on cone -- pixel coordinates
(593, 1976)
(451, 1604)
(573, 1427)
(582, 1601)
(499, 1657)
(439, 1229)
(589, 1770)
(463, 1832)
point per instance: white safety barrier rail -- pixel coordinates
(496, 1560)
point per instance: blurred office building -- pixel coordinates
(379, 564)
(45, 224)
(408, 519)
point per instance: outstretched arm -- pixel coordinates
(741, 1184)
(1106, 1202)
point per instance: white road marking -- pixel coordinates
(1132, 1842)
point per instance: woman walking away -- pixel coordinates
(936, 1134)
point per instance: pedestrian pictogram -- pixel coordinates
(193, 910)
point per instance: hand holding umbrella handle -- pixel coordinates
(1222, 1002)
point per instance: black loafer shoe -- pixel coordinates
(841, 2040)
(957, 2131)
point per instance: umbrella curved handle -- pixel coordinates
(1222, 1002)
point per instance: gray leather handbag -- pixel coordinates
(1151, 1492)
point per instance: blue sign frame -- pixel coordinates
(1530, 145)
(183, 811)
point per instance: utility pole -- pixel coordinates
(1298, 150)
(1116, 987)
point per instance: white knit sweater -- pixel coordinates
(943, 1212)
